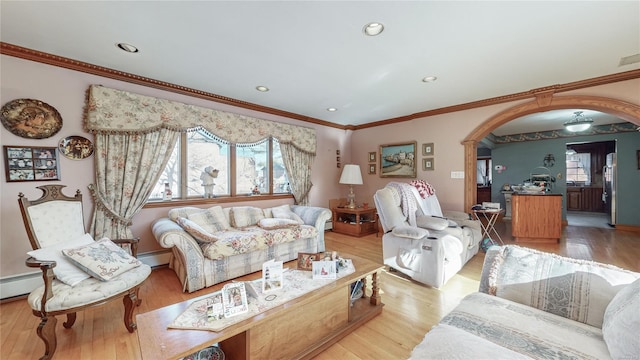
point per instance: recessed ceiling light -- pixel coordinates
(429, 79)
(128, 48)
(332, 109)
(373, 29)
(262, 88)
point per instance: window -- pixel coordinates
(579, 168)
(241, 168)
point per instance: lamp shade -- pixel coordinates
(351, 175)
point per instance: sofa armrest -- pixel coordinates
(576, 289)
(315, 216)
(169, 234)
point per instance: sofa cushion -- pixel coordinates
(579, 290)
(622, 322)
(183, 212)
(410, 232)
(275, 223)
(102, 259)
(284, 212)
(236, 241)
(519, 328)
(243, 216)
(432, 222)
(65, 270)
(198, 232)
(211, 219)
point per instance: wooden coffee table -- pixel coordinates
(298, 329)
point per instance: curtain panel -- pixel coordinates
(117, 111)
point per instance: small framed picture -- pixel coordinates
(427, 164)
(306, 259)
(337, 152)
(638, 156)
(372, 169)
(31, 163)
(372, 156)
(234, 299)
(427, 149)
(324, 269)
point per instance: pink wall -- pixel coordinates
(65, 90)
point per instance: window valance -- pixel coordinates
(116, 111)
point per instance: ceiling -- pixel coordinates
(313, 55)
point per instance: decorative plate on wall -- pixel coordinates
(31, 119)
(75, 147)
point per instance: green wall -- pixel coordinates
(522, 158)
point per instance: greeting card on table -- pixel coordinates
(272, 276)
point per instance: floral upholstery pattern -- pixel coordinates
(88, 290)
(234, 242)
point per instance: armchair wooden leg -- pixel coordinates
(47, 332)
(71, 319)
(130, 300)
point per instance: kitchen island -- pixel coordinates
(536, 217)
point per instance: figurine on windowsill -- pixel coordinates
(255, 191)
(208, 177)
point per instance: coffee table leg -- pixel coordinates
(375, 297)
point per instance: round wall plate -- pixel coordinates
(31, 119)
(75, 147)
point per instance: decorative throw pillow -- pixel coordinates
(275, 223)
(622, 321)
(432, 223)
(284, 212)
(195, 230)
(103, 259)
(65, 270)
(212, 219)
(243, 216)
(410, 232)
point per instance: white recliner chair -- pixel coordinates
(419, 239)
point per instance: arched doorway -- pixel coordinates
(544, 102)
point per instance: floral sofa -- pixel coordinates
(543, 306)
(213, 245)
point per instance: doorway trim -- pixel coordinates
(545, 101)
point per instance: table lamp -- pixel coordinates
(351, 175)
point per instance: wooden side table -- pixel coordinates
(355, 222)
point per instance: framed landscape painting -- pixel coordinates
(398, 160)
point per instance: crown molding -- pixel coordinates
(539, 93)
(63, 62)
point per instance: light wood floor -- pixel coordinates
(411, 309)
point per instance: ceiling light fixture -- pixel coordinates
(332, 109)
(429, 79)
(128, 48)
(262, 88)
(578, 123)
(373, 29)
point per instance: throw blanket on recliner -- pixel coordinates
(407, 200)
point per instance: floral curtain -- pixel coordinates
(127, 167)
(117, 111)
(131, 130)
(298, 165)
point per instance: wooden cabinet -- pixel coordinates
(483, 194)
(355, 222)
(536, 218)
(584, 199)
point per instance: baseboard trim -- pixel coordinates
(22, 284)
(622, 227)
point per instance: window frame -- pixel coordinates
(233, 196)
